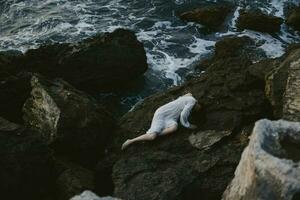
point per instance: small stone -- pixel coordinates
(88, 195)
(206, 139)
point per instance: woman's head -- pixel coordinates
(197, 108)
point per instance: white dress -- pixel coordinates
(168, 114)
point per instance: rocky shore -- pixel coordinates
(58, 142)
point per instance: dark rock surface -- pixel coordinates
(14, 90)
(6, 57)
(258, 21)
(210, 16)
(72, 180)
(26, 163)
(68, 119)
(293, 18)
(172, 167)
(104, 62)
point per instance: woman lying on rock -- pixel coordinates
(165, 118)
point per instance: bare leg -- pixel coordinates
(169, 130)
(149, 136)
(144, 137)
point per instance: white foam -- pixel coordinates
(236, 14)
(271, 46)
(201, 46)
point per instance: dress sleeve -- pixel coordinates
(186, 113)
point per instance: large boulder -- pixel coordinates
(106, 61)
(71, 121)
(191, 164)
(258, 21)
(282, 86)
(210, 16)
(291, 98)
(293, 18)
(269, 167)
(26, 163)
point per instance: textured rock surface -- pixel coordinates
(258, 21)
(268, 168)
(211, 16)
(26, 163)
(205, 139)
(278, 82)
(88, 195)
(69, 119)
(293, 19)
(171, 167)
(291, 99)
(41, 112)
(104, 62)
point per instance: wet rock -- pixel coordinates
(88, 195)
(293, 19)
(258, 21)
(171, 167)
(205, 139)
(26, 163)
(68, 119)
(269, 169)
(106, 61)
(283, 73)
(211, 16)
(73, 180)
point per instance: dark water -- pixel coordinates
(172, 46)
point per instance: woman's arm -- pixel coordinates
(184, 115)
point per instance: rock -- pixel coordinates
(233, 47)
(26, 163)
(73, 180)
(108, 61)
(276, 84)
(293, 19)
(211, 16)
(269, 167)
(258, 21)
(41, 111)
(291, 98)
(6, 58)
(171, 167)
(7, 126)
(14, 91)
(205, 139)
(68, 119)
(262, 68)
(88, 195)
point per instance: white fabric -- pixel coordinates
(168, 114)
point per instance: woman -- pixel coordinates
(165, 119)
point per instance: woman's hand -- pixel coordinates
(193, 127)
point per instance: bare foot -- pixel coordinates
(125, 144)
